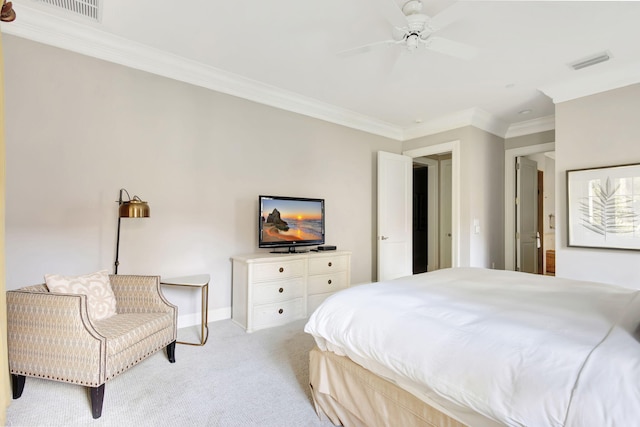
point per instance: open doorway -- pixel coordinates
(545, 211)
(544, 155)
(432, 212)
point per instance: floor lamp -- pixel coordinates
(130, 208)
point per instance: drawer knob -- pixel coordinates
(329, 281)
(330, 264)
(281, 290)
(281, 269)
(280, 311)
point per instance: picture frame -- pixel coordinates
(603, 207)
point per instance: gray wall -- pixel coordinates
(78, 129)
(594, 131)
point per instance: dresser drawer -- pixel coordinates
(327, 283)
(263, 272)
(281, 290)
(268, 315)
(328, 264)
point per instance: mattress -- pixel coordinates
(513, 348)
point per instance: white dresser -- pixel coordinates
(274, 289)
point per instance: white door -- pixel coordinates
(526, 215)
(445, 213)
(395, 181)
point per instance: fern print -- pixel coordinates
(606, 212)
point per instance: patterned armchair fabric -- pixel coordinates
(51, 336)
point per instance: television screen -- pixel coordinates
(290, 222)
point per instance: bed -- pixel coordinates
(478, 347)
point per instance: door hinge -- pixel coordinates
(517, 201)
(517, 236)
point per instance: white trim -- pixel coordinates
(88, 39)
(528, 127)
(489, 123)
(471, 117)
(454, 148)
(509, 197)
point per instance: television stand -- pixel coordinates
(274, 289)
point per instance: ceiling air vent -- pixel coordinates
(87, 8)
(592, 60)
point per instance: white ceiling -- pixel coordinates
(284, 53)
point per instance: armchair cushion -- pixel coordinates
(101, 301)
(125, 330)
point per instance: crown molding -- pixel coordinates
(489, 123)
(471, 117)
(442, 124)
(590, 84)
(527, 127)
(87, 40)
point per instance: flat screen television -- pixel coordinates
(290, 222)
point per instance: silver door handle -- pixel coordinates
(383, 238)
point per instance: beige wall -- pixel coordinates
(79, 129)
(481, 193)
(531, 139)
(594, 131)
(5, 387)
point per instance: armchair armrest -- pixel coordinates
(140, 294)
(36, 320)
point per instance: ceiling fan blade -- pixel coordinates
(366, 48)
(451, 48)
(392, 13)
(443, 18)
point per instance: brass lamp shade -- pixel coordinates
(132, 208)
(135, 208)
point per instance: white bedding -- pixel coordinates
(520, 349)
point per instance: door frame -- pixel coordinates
(510, 194)
(452, 147)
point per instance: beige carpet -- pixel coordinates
(236, 379)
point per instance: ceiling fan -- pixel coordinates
(414, 30)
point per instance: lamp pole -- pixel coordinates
(117, 247)
(117, 263)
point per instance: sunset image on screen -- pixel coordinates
(291, 220)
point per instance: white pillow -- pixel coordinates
(101, 300)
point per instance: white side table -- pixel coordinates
(197, 281)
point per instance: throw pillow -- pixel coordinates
(101, 300)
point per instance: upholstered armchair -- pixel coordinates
(52, 336)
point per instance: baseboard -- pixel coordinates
(193, 319)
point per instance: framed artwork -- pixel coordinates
(603, 206)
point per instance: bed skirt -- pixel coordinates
(349, 395)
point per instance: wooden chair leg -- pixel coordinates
(97, 396)
(171, 352)
(17, 385)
